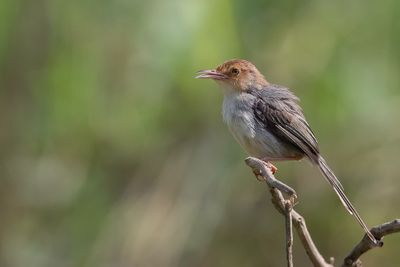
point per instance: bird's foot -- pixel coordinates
(258, 173)
(259, 166)
(271, 167)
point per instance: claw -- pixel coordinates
(258, 175)
(271, 167)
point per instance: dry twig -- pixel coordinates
(276, 187)
(289, 233)
(285, 207)
(352, 260)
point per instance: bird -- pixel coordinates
(268, 122)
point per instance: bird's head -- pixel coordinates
(236, 74)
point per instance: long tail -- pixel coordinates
(337, 186)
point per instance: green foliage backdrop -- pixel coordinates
(113, 155)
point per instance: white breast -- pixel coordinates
(238, 114)
(254, 138)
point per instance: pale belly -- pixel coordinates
(252, 136)
(262, 144)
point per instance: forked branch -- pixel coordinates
(280, 204)
(285, 207)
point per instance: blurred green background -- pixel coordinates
(113, 155)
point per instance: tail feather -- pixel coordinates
(337, 186)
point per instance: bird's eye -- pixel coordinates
(234, 71)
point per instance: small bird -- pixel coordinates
(268, 123)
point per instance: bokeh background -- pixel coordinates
(113, 155)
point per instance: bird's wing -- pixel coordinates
(277, 108)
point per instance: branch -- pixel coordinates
(289, 232)
(285, 207)
(352, 260)
(276, 189)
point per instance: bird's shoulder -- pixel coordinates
(278, 109)
(276, 101)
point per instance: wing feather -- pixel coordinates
(277, 108)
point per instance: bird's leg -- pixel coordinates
(270, 165)
(267, 164)
(261, 171)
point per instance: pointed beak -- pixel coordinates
(210, 74)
